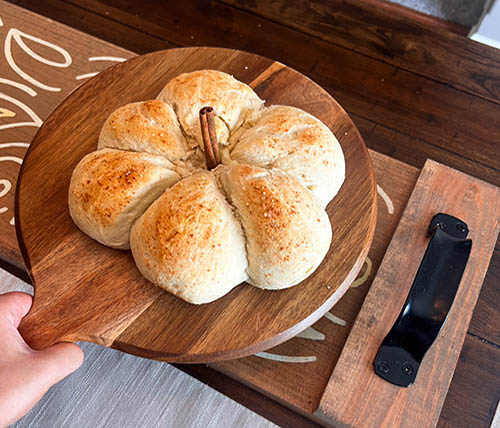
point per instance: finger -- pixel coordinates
(60, 360)
(27, 379)
(14, 306)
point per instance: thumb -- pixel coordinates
(58, 361)
(14, 306)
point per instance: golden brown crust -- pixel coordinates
(109, 187)
(149, 126)
(299, 144)
(233, 102)
(287, 231)
(189, 242)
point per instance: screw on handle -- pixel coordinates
(428, 303)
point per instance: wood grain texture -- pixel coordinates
(102, 27)
(484, 323)
(388, 10)
(415, 151)
(466, 405)
(106, 293)
(375, 28)
(353, 382)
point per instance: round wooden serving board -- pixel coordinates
(86, 291)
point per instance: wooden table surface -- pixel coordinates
(415, 91)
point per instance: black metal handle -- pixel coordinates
(428, 303)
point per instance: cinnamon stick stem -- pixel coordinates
(209, 136)
(213, 134)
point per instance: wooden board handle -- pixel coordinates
(62, 313)
(39, 334)
(60, 317)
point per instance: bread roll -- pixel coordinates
(189, 242)
(258, 217)
(149, 126)
(296, 142)
(287, 232)
(234, 102)
(110, 189)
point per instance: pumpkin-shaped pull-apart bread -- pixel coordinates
(259, 216)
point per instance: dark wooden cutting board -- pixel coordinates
(85, 291)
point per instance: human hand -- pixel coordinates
(26, 374)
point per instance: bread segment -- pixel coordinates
(189, 242)
(110, 189)
(148, 126)
(287, 232)
(234, 102)
(296, 142)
